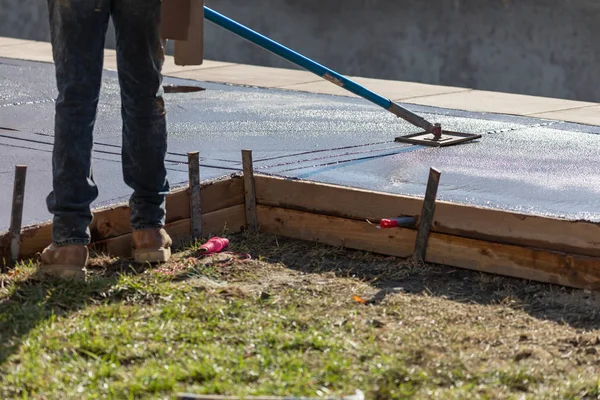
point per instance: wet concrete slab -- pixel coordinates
(539, 170)
(525, 164)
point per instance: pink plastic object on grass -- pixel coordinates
(214, 245)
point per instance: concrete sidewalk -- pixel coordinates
(407, 92)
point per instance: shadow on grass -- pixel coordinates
(31, 300)
(34, 299)
(577, 308)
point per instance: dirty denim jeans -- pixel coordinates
(78, 29)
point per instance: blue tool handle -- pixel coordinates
(314, 67)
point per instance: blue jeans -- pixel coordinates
(78, 29)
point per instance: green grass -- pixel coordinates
(285, 323)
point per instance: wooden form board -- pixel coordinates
(578, 237)
(523, 246)
(113, 222)
(213, 196)
(231, 220)
(480, 255)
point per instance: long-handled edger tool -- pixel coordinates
(433, 135)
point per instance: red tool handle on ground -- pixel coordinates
(396, 222)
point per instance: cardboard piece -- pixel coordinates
(183, 22)
(191, 51)
(175, 16)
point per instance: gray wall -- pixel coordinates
(538, 47)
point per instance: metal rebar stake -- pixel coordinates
(426, 218)
(195, 194)
(249, 191)
(16, 216)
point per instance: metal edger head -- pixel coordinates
(437, 137)
(433, 134)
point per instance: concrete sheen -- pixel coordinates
(536, 166)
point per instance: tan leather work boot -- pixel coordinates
(151, 246)
(65, 262)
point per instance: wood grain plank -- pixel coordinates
(579, 237)
(336, 231)
(114, 221)
(509, 260)
(213, 196)
(516, 261)
(34, 239)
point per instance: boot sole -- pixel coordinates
(66, 272)
(153, 256)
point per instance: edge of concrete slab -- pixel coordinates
(547, 249)
(465, 99)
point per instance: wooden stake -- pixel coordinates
(16, 216)
(249, 191)
(426, 219)
(195, 195)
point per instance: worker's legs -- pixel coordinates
(78, 29)
(140, 58)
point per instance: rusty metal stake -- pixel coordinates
(16, 216)
(249, 191)
(426, 219)
(437, 131)
(195, 194)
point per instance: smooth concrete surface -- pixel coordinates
(394, 90)
(530, 170)
(477, 100)
(8, 41)
(23, 51)
(251, 75)
(169, 67)
(536, 47)
(585, 115)
(531, 165)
